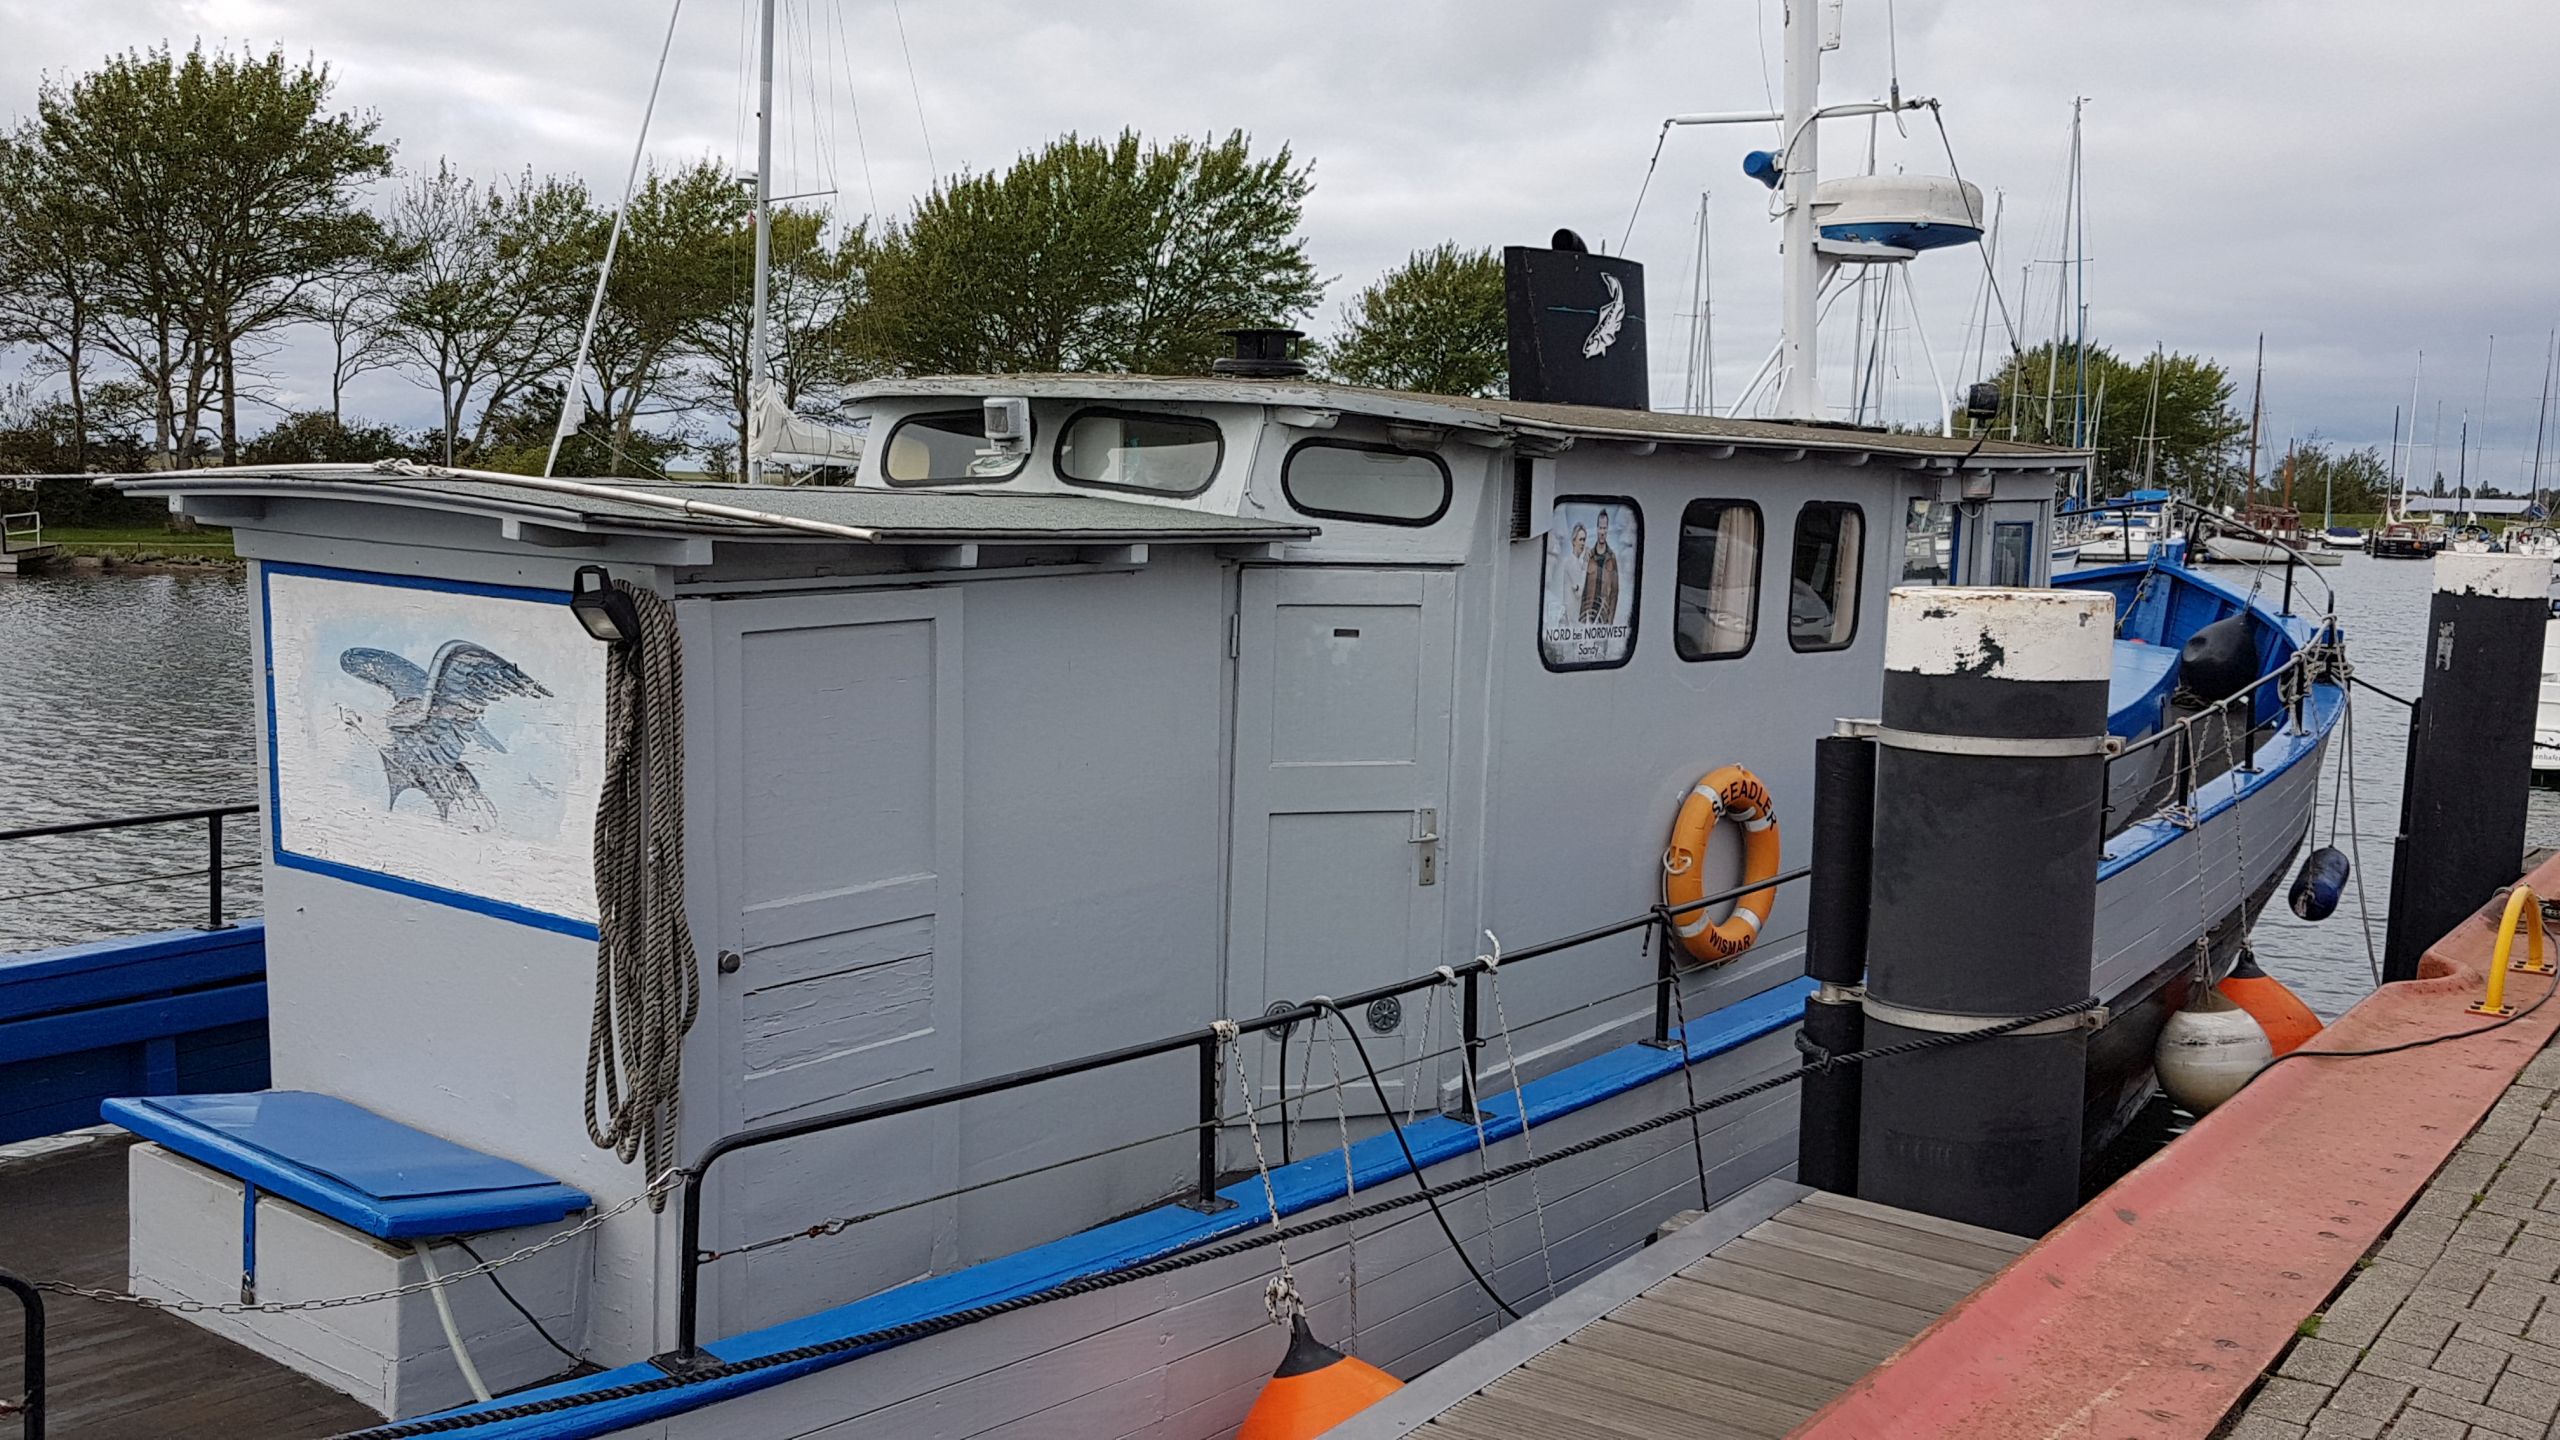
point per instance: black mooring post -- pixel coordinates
(31, 1379)
(1990, 771)
(2470, 748)
(1835, 957)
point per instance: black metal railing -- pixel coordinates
(214, 868)
(1206, 1044)
(30, 1405)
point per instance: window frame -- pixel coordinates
(1635, 599)
(1857, 572)
(2001, 532)
(1058, 450)
(1760, 548)
(1448, 483)
(889, 443)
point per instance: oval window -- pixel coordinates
(946, 447)
(1348, 480)
(1136, 450)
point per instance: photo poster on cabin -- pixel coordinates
(439, 740)
(1587, 603)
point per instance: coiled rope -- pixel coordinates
(647, 982)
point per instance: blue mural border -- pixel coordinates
(357, 874)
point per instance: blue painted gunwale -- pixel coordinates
(356, 874)
(155, 1014)
(1154, 1234)
(2161, 616)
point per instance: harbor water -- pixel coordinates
(127, 694)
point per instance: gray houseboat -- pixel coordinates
(1097, 716)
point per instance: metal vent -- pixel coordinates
(1522, 476)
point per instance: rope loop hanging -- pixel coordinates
(648, 985)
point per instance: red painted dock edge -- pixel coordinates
(2151, 1311)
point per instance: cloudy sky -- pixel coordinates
(2358, 179)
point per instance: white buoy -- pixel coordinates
(2209, 1050)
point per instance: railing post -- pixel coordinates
(1666, 973)
(213, 872)
(1208, 1201)
(689, 1267)
(1473, 1025)
(32, 1378)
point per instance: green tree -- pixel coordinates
(672, 270)
(2349, 482)
(490, 289)
(1094, 255)
(1436, 323)
(817, 290)
(2187, 444)
(50, 284)
(212, 190)
(312, 436)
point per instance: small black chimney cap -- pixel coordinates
(1261, 354)
(1569, 242)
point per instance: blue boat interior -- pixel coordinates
(2159, 607)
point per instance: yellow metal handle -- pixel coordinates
(2521, 903)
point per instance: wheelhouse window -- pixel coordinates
(1928, 541)
(946, 447)
(1136, 450)
(1719, 597)
(2013, 552)
(1351, 480)
(1822, 588)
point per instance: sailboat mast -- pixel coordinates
(1800, 384)
(2151, 420)
(2541, 417)
(756, 337)
(2257, 394)
(2079, 290)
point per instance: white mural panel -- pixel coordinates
(437, 739)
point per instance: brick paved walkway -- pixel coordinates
(2452, 1327)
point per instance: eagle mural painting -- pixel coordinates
(434, 719)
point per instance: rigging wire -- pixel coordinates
(853, 102)
(1663, 135)
(1957, 172)
(916, 90)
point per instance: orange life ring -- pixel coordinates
(1730, 793)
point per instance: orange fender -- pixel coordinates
(2278, 1011)
(1316, 1388)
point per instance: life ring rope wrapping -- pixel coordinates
(1728, 793)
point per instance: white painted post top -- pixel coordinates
(2033, 635)
(2503, 577)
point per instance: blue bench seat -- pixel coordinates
(341, 1160)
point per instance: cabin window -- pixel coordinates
(1136, 450)
(2013, 552)
(1928, 541)
(1351, 480)
(1822, 589)
(1593, 577)
(1719, 597)
(946, 447)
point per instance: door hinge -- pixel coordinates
(1235, 635)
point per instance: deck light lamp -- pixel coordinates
(607, 613)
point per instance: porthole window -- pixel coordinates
(1718, 605)
(1350, 480)
(943, 448)
(1160, 454)
(1822, 582)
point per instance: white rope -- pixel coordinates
(648, 986)
(1342, 1126)
(1520, 1103)
(444, 1317)
(1280, 1299)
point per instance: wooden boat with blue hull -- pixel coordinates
(1219, 695)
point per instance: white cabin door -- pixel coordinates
(1343, 686)
(836, 742)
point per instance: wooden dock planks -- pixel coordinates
(1737, 1328)
(120, 1373)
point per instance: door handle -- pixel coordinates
(1426, 833)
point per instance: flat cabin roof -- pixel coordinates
(1497, 416)
(897, 516)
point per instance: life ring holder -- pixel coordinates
(1727, 793)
